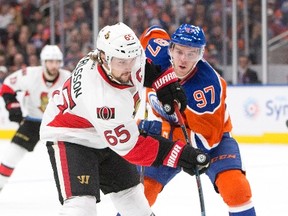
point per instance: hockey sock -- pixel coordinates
(151, 189)
(236, 193)
(79, 206)
(233, 187)
(131, 202)
(14, 153)
(238, 211)
(6, 170)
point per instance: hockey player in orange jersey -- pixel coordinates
(206, 117)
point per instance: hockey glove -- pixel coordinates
(15, 113)
(182, 155)
(202, 159)
(166, 86)
(13, 107)
(150, 127)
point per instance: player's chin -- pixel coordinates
(126, 76)
(182, 70)
(53, 71)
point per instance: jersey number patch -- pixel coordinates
(201, 98)
(118, 135)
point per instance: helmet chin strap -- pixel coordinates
(106, 64)
(108, 71)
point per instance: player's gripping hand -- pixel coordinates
(13, 107)
(166, 86)
(176, 154)
(169, 90)
(147, 127)
(186, 157)
(196, 156)
(15, 113)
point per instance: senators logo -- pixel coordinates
(105, 113)
(107, 35)
(13, 80)
(137, 101)
(44, 101)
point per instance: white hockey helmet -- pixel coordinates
(51, 52)
(118, 41)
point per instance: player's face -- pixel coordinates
(184, 58)
(121, 69)
(52, 67)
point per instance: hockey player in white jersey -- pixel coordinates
(89, 128)
(36, 84)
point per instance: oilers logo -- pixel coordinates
(156, 106)
(251, 108)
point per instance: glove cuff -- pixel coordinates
(174, 154)
(169, 76)
(13, 105)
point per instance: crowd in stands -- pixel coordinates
(25, 26)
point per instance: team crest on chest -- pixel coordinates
(105, 113)
(43, 101)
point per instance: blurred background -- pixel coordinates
(249, 32)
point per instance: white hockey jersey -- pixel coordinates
(93, 111)
(36, 91)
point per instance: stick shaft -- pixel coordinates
(197, 175)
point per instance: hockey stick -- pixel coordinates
(142, 168)
(142, 171)
(197, 175)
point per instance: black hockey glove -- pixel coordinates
(171, 93)
(13, 107)
(197, 154)
(182, 155)
(166, 86)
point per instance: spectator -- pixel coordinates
(139, 15)
(9, 33)
(18, 62)
(27, 9)
(33, 60)
(189, 14)
(2, 59)
(246, 75)
(6, 17)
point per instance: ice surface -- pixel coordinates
(31, 190)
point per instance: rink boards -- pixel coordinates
(258, 113)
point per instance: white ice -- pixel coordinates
(31, 190)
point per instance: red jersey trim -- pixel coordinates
(6, 90)
(70, 121)
(5, 170)
(65, 169)
(144, 152)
